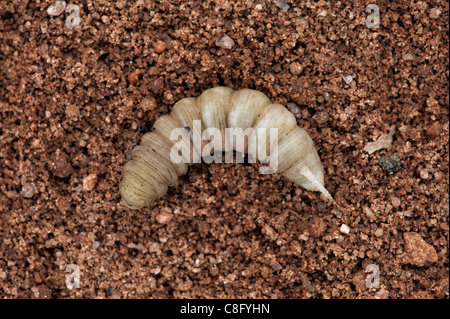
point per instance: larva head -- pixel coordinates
(138, 191)
(129, 197)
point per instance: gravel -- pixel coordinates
(75, 101)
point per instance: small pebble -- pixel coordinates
(164, 218)
(345, 229)
(37, 277)
(424, 174)
(395, 201)
(379, 232)
(60, 165)
(226, 42)
(237, 229)
(408, 57)
(390, 163)
(322, 117)
(159, 46)
(348, 110)
(296, 68)
(89, 182)
(348, 79)
(435, 13)
(148, 104)
(434, 130)
(56, 8)
(367, 211)
(156, 85)
(317, 227)
(282, 4)
(407, 214)
(418, 251)
(438, 176)
(321, 206)
(28, 190)
(163, 239)
(63, 204)
(432, 102)
(72, 112)
(133, 77)
(269, 231)
(105, 19)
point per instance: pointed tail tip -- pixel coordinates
(325, 192)
(328, 195)
(318, 185)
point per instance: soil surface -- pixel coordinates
(80, 86)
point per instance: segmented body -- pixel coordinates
(150, 171)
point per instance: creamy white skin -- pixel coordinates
(156, 163)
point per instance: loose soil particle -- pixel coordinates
(75, 101)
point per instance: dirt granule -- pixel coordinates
(79, 88)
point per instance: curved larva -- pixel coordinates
(151, 171)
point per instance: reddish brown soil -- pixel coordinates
(73, 102)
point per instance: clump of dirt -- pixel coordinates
(79, 88)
